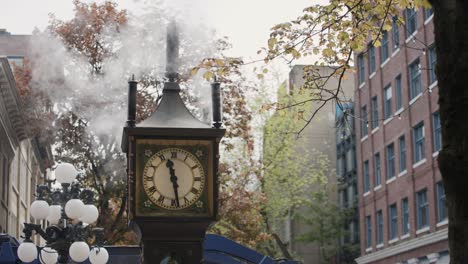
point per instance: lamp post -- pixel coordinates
(69, 211)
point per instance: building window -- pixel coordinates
(415, 79)
(353, 234)
(377, 172)
(375, 113)
(379, 227)
(401, 144)
(418, 143)
(364, 122)
(405, 216)
(366, 176)
(343, 198)
(4, 168)
(384, 48)
(441, 205)
(432, 64)
(349, 160)
(428, 13)
(411, 21)
(398, 92)
(16, 61)
(422, 206)
(437, 131)
(390, 161)
(340, 164)
(361, 68)
(396, 33)
(368, 232)
(371, 49)
(388, 102)
(393, 220)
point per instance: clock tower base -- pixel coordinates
(171, 243)
(174, 252)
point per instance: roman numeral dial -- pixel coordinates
(174, 178)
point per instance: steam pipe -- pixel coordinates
(172, 52)
(216, 103)
(132, 89)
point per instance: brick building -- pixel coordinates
(403, 218)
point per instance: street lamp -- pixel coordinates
(69, 211)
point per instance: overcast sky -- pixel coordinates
(245, 22)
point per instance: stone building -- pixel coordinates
(347, 182)
(320, 136)
(23, 160)
(403, 217)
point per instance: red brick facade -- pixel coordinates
(421, 173)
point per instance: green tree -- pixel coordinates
(337, 29)
(295, 177)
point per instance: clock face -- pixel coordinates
(173, 178)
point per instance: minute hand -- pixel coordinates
(173, 178)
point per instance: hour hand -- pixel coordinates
(173, 179)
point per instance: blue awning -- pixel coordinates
(218, 250)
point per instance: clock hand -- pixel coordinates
(173, 178)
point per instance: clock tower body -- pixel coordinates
(172, 172)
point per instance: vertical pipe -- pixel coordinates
(172, 52)
(132, 89)
(216, 103)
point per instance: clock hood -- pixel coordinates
(172, 112)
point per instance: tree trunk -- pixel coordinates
(451, 34)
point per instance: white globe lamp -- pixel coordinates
(65, 173)
(90, 214)
(98, 255)
(74, 208)
(27, 252)
(79, 251)
(55, 213)
(48, 256)
(39, 209)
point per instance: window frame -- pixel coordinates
(419, 146)
(368, 231)
(405, 216)
(384, 51)
(414, 70)
(398, 93)
(393, 221)
(432, 61)
(364, 121)
(361, 69)
(388, 101)
(366, 175)
(390, 149)
(442, 213)
(377, 170)
(375, 112)
(436, 131)
(422, 209)
(402, 153)
(411, 21)
(396, 33)
(379, 227)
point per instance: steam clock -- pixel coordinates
(172, 171)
